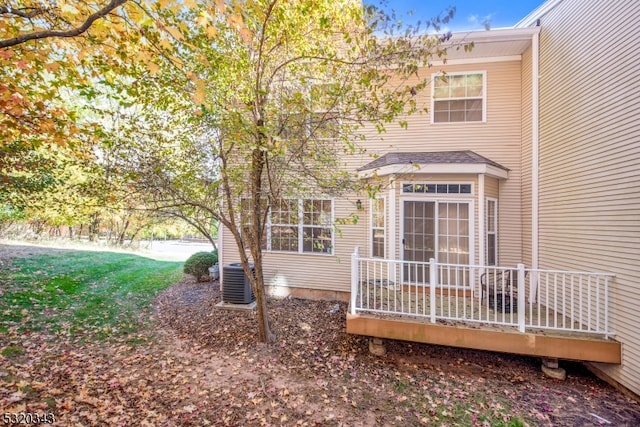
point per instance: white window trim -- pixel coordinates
(438, 195)
(495, 227)
(301, 227)
(384, 226)
(472, 212)
(460, 73)
(307, 116)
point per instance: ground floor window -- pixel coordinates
(301, 225)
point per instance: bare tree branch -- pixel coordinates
(26, 13)
(113, 4)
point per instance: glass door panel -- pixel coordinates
(426, 223)
(419, 239)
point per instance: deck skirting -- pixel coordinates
(567, 347)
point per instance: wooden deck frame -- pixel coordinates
(545, 345)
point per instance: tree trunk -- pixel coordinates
(123, 233)
(264, 329)
(94, 226)
(257, 167)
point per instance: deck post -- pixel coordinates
(354, 280)
(433, 280)
(606, 307)
(521, 299)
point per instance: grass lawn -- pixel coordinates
(80, 295)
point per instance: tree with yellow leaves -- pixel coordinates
(257, 101)
(224, 108)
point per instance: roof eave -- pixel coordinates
(497, 35)
(436, 168)
(489, 45)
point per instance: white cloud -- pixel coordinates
(477, 20)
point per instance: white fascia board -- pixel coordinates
(437, 168)
(501, 35)
(478, 60)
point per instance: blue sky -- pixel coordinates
(470, 14)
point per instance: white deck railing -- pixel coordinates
(513, 297)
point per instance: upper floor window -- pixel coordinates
(309, 113)
(458, 97)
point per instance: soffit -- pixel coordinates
(490, 44)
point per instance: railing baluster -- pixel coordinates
(424, 299)
(573, 299)
(432, 289)
(520, 302)
(389, 286)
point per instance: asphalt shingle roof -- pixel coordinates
(437, 157)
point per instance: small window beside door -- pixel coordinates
(492, 232)
(378, 242)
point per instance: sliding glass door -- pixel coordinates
(434, 229)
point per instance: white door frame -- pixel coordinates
(473, 217)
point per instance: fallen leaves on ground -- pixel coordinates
(199, 365)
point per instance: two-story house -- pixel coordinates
(513, 205)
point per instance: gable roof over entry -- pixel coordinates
(466, 162)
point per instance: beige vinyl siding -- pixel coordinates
(492, 187)
(590, 152)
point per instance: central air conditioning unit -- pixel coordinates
(236, 288)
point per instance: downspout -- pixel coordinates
(535, 161)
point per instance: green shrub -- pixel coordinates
(198, 264)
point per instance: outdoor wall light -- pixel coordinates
(359, 204)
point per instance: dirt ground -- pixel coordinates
(199, 365)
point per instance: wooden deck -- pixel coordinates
(544, 313)
(540, 344)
